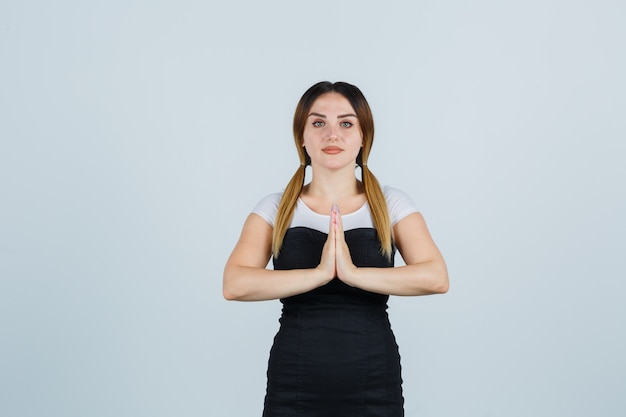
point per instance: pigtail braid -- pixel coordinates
(378, 208)
(286, 208)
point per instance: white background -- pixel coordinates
(136, 136)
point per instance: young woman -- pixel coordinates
(333, 242)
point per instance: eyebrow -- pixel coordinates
(341, 116)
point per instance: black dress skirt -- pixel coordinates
(335, 353)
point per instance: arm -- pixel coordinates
(424, 273)
(245, 276)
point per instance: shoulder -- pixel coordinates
(399, 204)
(267, 207)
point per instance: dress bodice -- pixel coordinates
(302, 248)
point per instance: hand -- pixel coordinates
(344, 267)
(327, 264)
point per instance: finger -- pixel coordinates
(334, 215)
(338, 222)
(330, 228)
(334, 212)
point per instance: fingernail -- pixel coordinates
(335, 208)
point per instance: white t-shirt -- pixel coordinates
(399, 205)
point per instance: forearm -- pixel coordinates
(244, 283)
(418, 279)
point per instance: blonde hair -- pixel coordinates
(373, 191)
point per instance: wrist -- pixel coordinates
(322, 275)
(351, 276)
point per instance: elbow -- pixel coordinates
(227, 294)
(234, 286)
(229, 291)
(230, 294)
(431, 277)
(442, 284)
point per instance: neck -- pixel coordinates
(334, 185)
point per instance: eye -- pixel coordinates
(346, 124)
(318, 123)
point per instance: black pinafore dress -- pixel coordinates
(334, 354)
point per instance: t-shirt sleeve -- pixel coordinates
(399, 204)
(268, 207)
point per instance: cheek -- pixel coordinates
(308, 139)
(358, 141)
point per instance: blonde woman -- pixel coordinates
(333, 242)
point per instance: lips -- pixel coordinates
(332, 150)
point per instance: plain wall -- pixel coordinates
(136, 136)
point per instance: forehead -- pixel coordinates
(332, 103)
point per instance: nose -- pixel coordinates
(332, 133)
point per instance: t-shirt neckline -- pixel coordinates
(300, 201)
